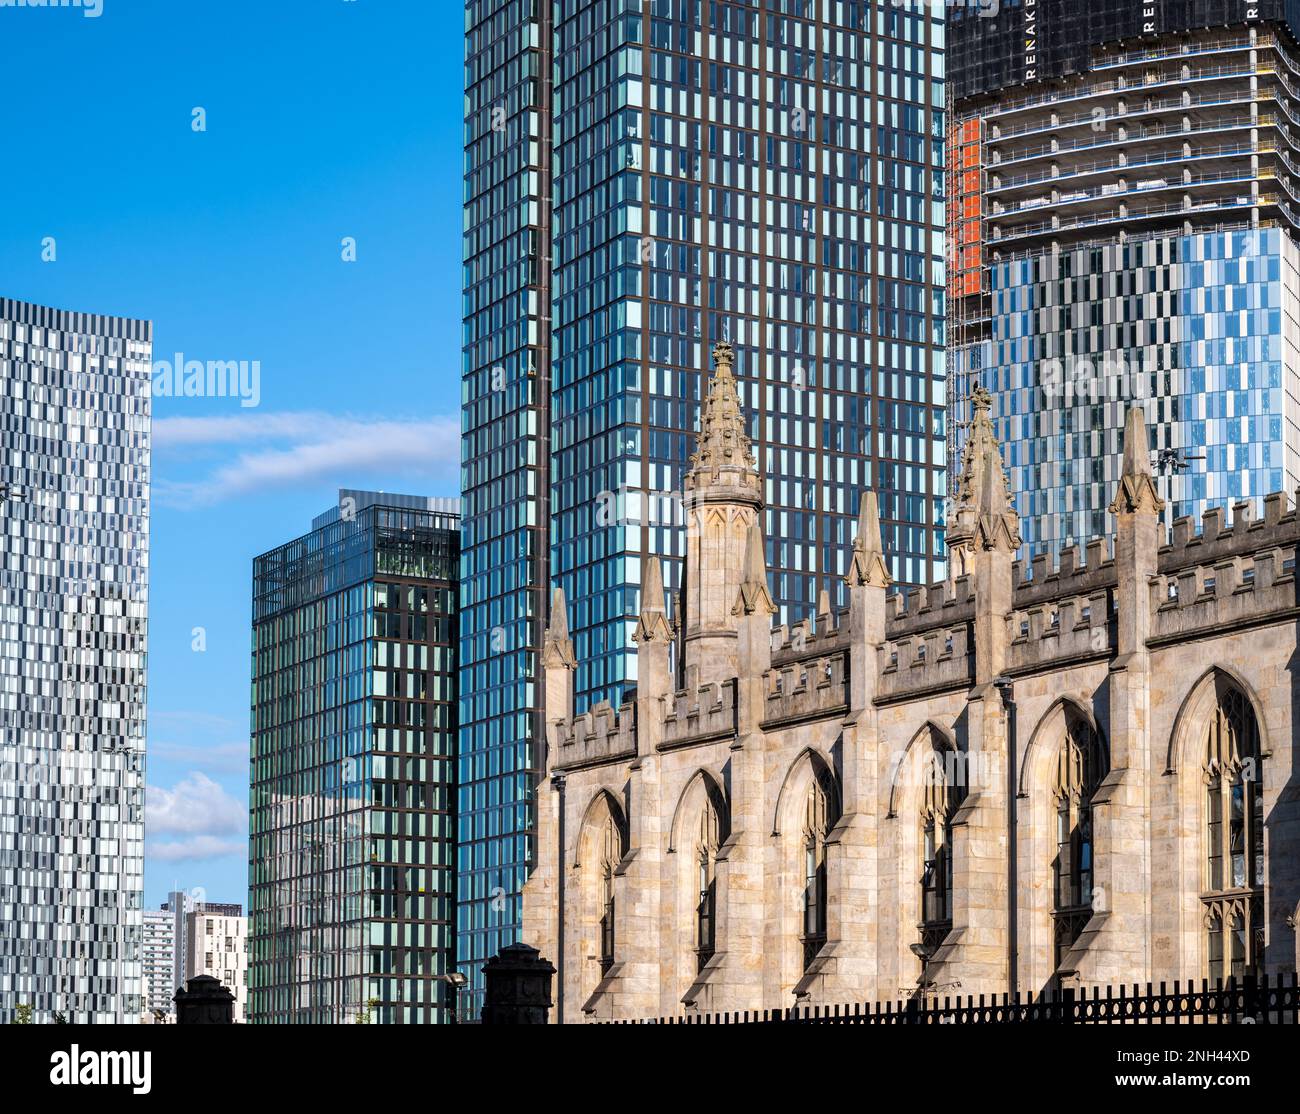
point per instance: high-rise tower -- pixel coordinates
(645, 180)
(74, 501)
(1123, 222)
(351, 823)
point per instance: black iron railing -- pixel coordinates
(1270, 1000)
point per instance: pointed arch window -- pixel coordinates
(821, 811)
(1234, 840)
(1082, 763)
(611, 855)
(706, 909)
(942, 795)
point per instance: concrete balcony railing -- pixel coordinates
(1088, 118)
(1182, 103)
(1122, 87)
(1231, 45)
(1112, 166)
(1130, 136)
(1109, 194)
(1212, 210)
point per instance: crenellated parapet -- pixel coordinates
(1246, 534)
(600, 734)
(699, 713)
(920, 609)
(809, 688)
(939, 658)
(809, 637)
(1044, 613)
(1058, 631)
(1226, 576)
(1042, 581)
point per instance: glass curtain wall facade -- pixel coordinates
(352, 796)
(766, 174)
(74, 507)
(504, 462)
(769, 175)
(1126, 233)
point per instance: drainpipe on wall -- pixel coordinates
(557, 783)
(1006, 690)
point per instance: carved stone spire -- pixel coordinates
(723, 455)
(557, 650)
(867, 566)
(723, 499)
(652, 626)
(983, 517)
(1137, 489)
(754, 597)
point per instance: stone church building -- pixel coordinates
(1025, 778)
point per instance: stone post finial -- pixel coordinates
(1137, 492)
(653, 625)
(517, 987)
(204, 1001)
(724, 357)
(557, 650)
(754, 596)
(867, 566)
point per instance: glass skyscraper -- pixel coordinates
(1124, 223)
(351, 839)
(74, 504)
(645, 178)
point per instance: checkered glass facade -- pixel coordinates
(74, 584)
(1201, 330)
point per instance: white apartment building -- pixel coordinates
(216, 940)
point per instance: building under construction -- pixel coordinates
(1124, 206)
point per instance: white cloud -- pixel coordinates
(300, 447)
(256, 425)
(194, 806)
(195, 847)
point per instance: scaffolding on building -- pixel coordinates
(967, 277)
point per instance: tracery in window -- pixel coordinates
(706, 908)
(821, 811)
(611, 854)
(1081, 765)
(942, 793)
(1233, 897)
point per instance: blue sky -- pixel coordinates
(325, 119)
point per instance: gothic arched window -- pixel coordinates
(1234, 841)
(942, 794)
(1081, 765)
(706, 908)
(611, 855)
(821, 811)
